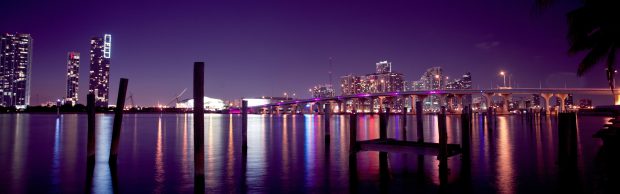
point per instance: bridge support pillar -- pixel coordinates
(562, 101)
(372, 105)
(546, 97)
(413, 98)
(443, 99)
(506, 100)
(294, 109)
(459, 102)
(420, 98)
(489, 97)
(381, 98)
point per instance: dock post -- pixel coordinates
(244, 126)
(58, 104)
(383, 122)
(443, 132)
(466, 130)
(327, 111)
(490, 118)
(90, 146)
(353, 151)
(353, 132)
(199, 168)
(420, 124)
(404, 123)
(443, 147)
(567, 132)
(118, 120)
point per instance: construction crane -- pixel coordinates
(130, 97)
(176, 99)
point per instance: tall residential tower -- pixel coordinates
(15, 67)
(100, 69)
(73, 77)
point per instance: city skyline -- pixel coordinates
(265, 64)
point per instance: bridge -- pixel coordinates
(365, 102)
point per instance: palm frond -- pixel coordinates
(611, 69)
(593, 57)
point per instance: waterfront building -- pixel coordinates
(15, 68)
(462, 83)
(383, 80)
(211, 104)
(351, 84)
(431, 79)
(99, 75)
(322, 91)
(585, 103)
(73, 77)
(383, 67)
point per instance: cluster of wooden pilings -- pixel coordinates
(116, 134)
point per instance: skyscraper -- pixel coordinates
(73, 77)
(384, 67)
(15, 67)
(100, 54)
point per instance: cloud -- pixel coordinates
(487, 45)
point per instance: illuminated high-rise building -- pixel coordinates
(73, 77)
(384, 67)
(15, 68)
(351, 84)
(322, 91)
(100, 54)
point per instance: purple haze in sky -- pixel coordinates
(256, 48)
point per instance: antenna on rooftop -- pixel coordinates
(330, 71)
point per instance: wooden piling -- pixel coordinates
(383, 122)
(353, 132)
(443, 133)
(404, 123)
(567, 140)
(244, 126)
(90, 146)
(465, 130)
(420, 124)
(326, 115)
(118, 120)
(199, 169)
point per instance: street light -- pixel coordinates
(503, 75)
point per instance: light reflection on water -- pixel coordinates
(46, 153)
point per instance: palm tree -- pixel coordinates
(594, 28)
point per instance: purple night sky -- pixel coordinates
(267, 48)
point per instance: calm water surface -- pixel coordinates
(42, 153)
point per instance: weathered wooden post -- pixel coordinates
(353, 151)
(58, 104)
(567, 132)
(244, 126)
(90, 111)
(199, 152)
(327, 111)
(383, 122)
(404, 123)
(443, 147)
(353, 132)
(466, 130)
(118, 120)
(420, 124)
(490, 118)
(443, 132)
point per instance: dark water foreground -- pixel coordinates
(286, 154)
